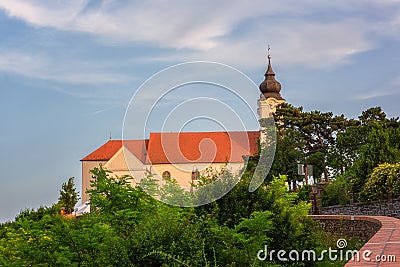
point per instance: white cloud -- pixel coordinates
(394, 89)
(45, 13)
(372, 95)
(208, 30)
(293, 43)
(180, 25)
(111, 107)
(390, 27)
(322, 44)
(40, 67)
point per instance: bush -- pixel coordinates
(129, 228)
(304, 193)
(383, 183)
(336, 192)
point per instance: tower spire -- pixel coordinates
(269, 53)
(270, 93)
(270, 87)
(269, 69)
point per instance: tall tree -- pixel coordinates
(313, 135)
(376, 150)
(68, 196)
(372, 115)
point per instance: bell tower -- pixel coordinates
(270, 96)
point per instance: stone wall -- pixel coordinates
(350, 227)
(385, 242)
(389, 208)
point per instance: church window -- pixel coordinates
(166, 175)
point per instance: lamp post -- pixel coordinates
(306, 171)
(314, 199)
(303, 169)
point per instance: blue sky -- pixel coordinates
(69, 68)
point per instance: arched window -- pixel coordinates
(166, 175)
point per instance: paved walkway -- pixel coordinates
(383, 249)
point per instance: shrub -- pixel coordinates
(383, 183)
(336, 192)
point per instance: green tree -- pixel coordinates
(346, 150)
(334, 145)
(376, 150)
(286, 157)
(273, 216)
(68, 196)
(312, 136)
(372, 116)
(151, 233)
(383, 183)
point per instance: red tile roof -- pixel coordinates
(108, 150)
(184, 147)
(105, 152)
(201, 147)
(138, 148)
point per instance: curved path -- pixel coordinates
(383, 249)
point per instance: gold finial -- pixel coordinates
(269, 52)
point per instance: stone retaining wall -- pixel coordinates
(389, 208)
(385, 243)
(363, 229)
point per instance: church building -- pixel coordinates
(183, 155)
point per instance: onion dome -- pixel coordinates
(270, 87)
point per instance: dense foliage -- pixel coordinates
(336, 192)
(342, 151)
(383, 183)
(129, 228)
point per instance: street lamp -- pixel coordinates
(304, 169)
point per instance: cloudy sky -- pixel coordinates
(68, 69)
